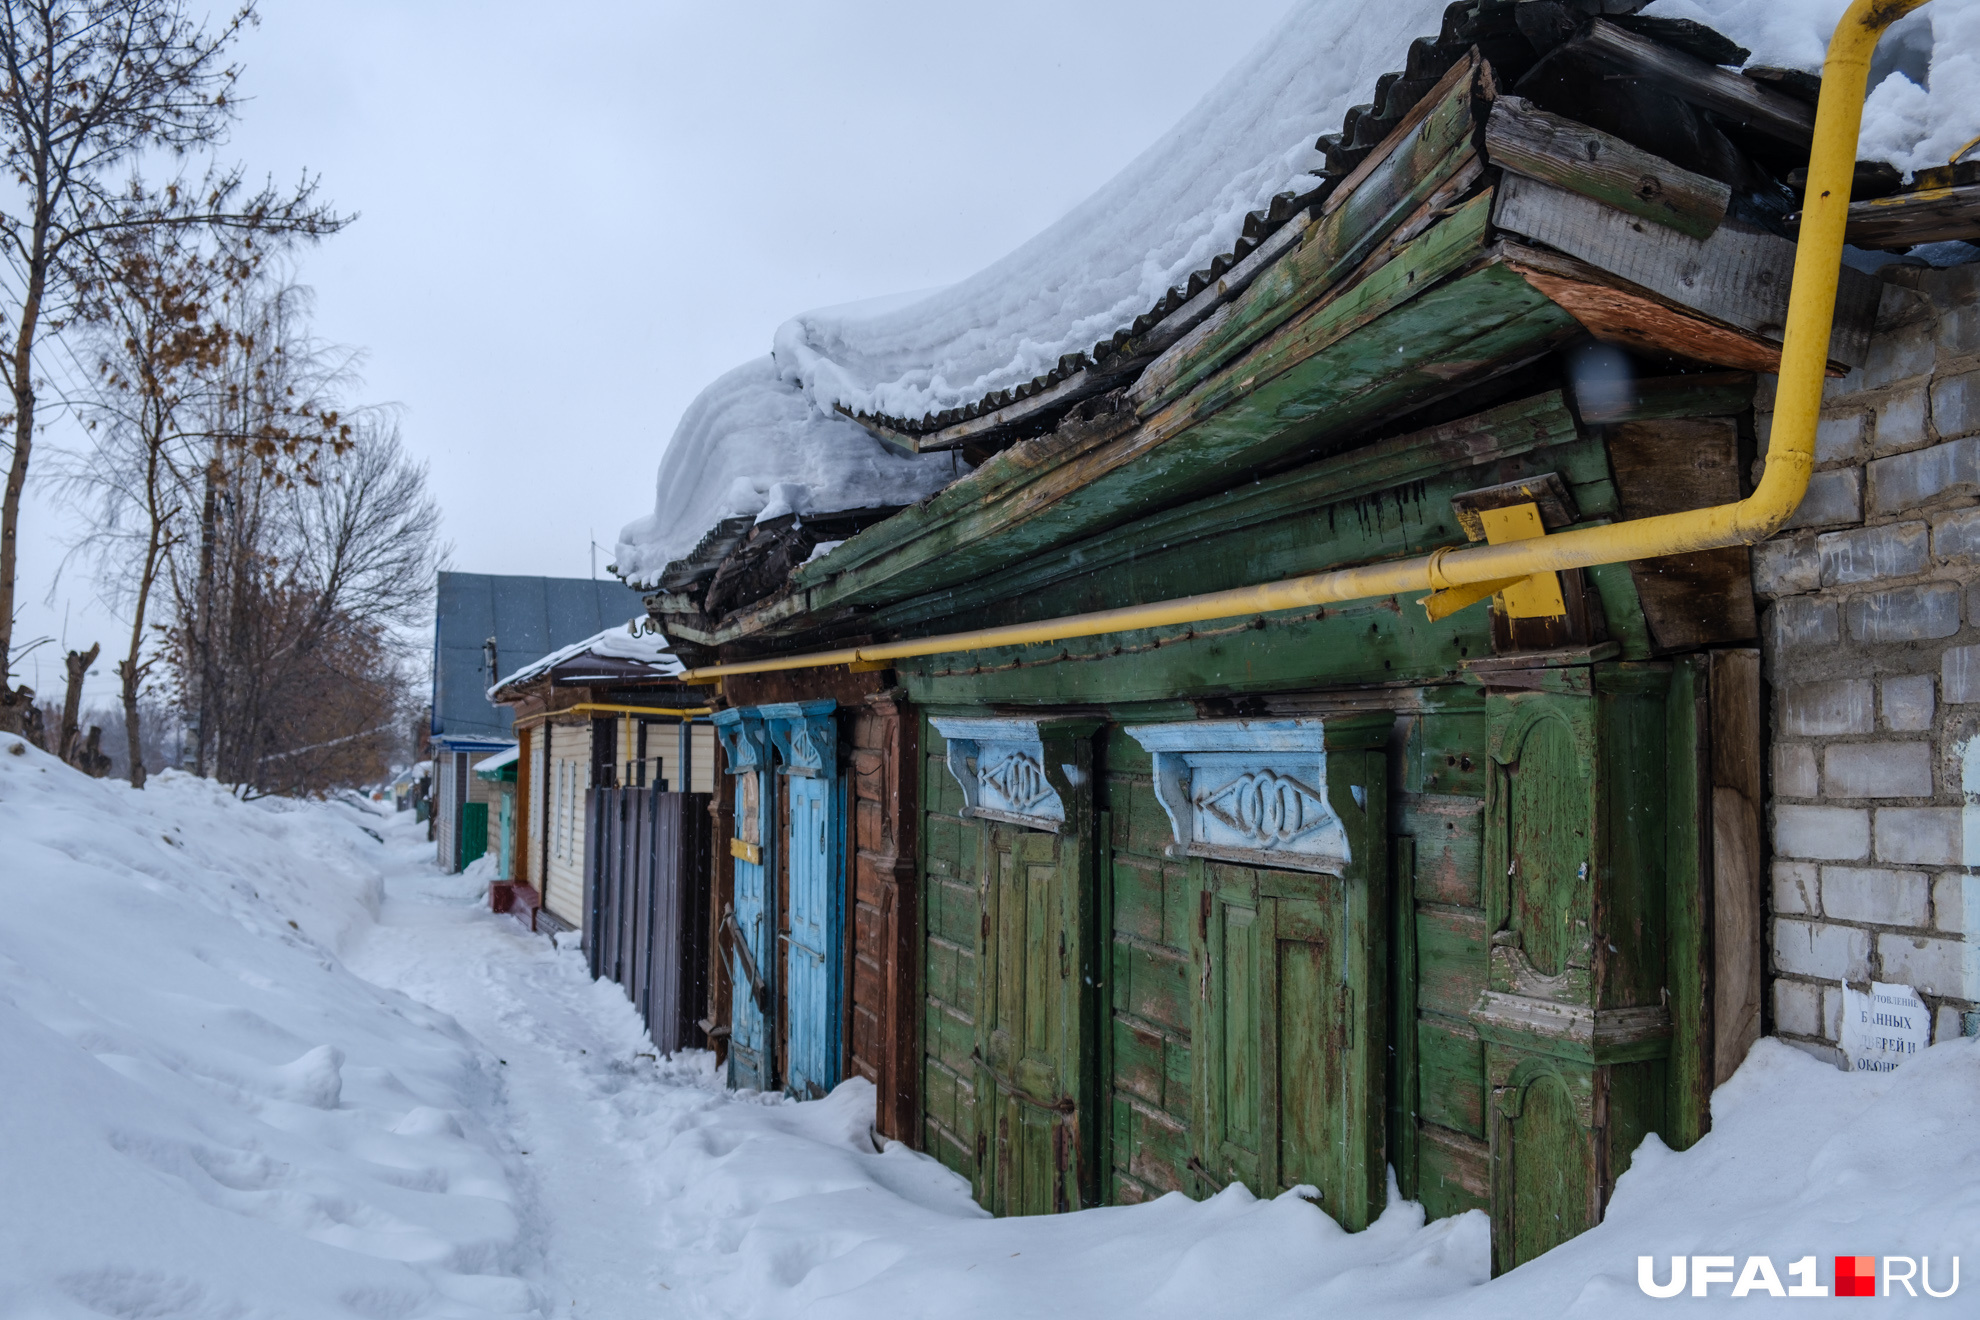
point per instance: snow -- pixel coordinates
(264, 1058)
(754, 432)
(509, 756)
(636, 641)
(765, 439)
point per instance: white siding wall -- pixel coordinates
(570, 778)
(539, 771)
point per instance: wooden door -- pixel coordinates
(1028, 1023)
(1282, 1070)
(755, 924)
(812, 957)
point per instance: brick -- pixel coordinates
(1833, 497)
(1959, 328)
(1907, 481)
(1956, 536)
(1828, 1054)
(1877, 770)
(1834, 834)
(1796, 889)
(1959, 674)
(1904, 614)
(1839, 439)
(1956, 904)
(1799, 623)
(1879, 897)
(1794, 770)
(1900, 422)
(1897, 355)
(1937, 967)
(1798, 1008)
(1946, 1025)
(1816, 948)
(1815, 710)
(1907, 702)
(1785, 567)
(1956, 403)
(1868, 554)
(1922, 836)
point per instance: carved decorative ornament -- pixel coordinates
(1249, 791)
(1000, 765)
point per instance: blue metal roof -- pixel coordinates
(528, 617)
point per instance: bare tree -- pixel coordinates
(87, 88)
(157, 324)
(291, 609)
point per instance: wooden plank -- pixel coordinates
(1688, 905)
(1668, 466)
(1455, 1173)
(1739, 99)
(1739, 277)
(1446, 832)
(1616, 316)
(1358, 217)
(1405, 1081)
(1450, 957)
(1930, 215)
(1451, 1069)
(1498, 434)
(1525, 139)
(1738, 880)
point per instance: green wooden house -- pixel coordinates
(1471, 891)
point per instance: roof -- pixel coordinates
(497, 761)
(627, 653)
(526, 616)
(1083, 306)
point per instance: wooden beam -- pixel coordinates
(1648, 326)
(1738, 878)
(1553, 149)
(1739, 277)
(1706, 85)
(1931, 215)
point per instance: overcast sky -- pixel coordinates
(573, 219)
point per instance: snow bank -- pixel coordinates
(754, 444)
(206, 1114)
(765, 438)
(635, 641)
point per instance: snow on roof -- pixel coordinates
(766, 439)
(754, 444)
(1912, 126)
(633, 642)
(497, 761)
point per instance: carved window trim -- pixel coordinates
(1249, 791)
(1004, 770)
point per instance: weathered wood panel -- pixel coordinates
(1740, 276)
(882, 1041)
(1455, 1173)
(1527, 140)
(1738, 878)
(1667, 466)
(950, 917)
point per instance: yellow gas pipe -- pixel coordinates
(1478, 570)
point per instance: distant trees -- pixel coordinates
(88, 90)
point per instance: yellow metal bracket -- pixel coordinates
(743, 850)
(1536, 596)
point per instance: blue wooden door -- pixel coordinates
(812, 956)
(752, 960)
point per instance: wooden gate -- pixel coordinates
(648, 864)
(813, 959)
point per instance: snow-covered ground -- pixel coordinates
(263, 1059)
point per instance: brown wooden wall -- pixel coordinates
(882, 1044)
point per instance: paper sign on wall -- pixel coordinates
(1882, 1029)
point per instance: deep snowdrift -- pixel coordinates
(210, 1114)
(1173, 208)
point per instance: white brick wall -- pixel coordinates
(1871, 639)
